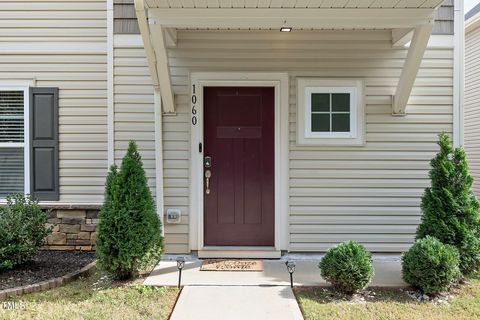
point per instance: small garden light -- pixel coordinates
(180, 265)
(291, 269)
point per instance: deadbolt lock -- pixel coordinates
(207, 162)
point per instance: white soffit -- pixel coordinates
(364, 4)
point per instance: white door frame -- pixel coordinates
(279, 81)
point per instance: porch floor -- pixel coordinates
(387, 273)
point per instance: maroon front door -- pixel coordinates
(239, 140)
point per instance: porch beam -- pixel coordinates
(145, 33)
(409, 73)
(274, 18)
(156, 57)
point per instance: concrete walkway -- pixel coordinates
(211, 295)
(236, 302)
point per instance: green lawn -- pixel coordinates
(318, 303)
(89, 298)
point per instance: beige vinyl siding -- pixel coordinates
(369, 193)
(472, 104)
(63, 44)
(134, 120)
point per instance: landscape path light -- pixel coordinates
(180, 266)
(291, 269)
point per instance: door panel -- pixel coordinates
(239, 136)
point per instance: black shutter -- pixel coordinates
(44, 143)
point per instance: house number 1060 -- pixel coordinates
(194, 111)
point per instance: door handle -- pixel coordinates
(208, 175)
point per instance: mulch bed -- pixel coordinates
(47, 265)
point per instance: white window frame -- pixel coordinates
(306, 87)
(26, 129)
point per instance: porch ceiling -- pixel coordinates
(409, 20)
(292, 3)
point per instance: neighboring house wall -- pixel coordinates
(63, 44)
(472, 101)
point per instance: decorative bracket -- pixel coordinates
(419, 43)
(156, 56)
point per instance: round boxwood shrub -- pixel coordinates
(348, 267)
(431, 266)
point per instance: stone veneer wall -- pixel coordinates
(73, 229)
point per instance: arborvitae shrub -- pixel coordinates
(348, 267)
(431, 266)
(450, 208)
(23, 230)
(129, 233)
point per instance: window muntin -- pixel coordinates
(330, 112)
(14, 162)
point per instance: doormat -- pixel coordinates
(231, 265)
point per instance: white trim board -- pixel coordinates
(135, 41)
(458, 74)
(110, 88)
(159, 192)
(238, 79)
(298, 18)
(127, 41)
(440, 41)
(245, 253)
(17, 82)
